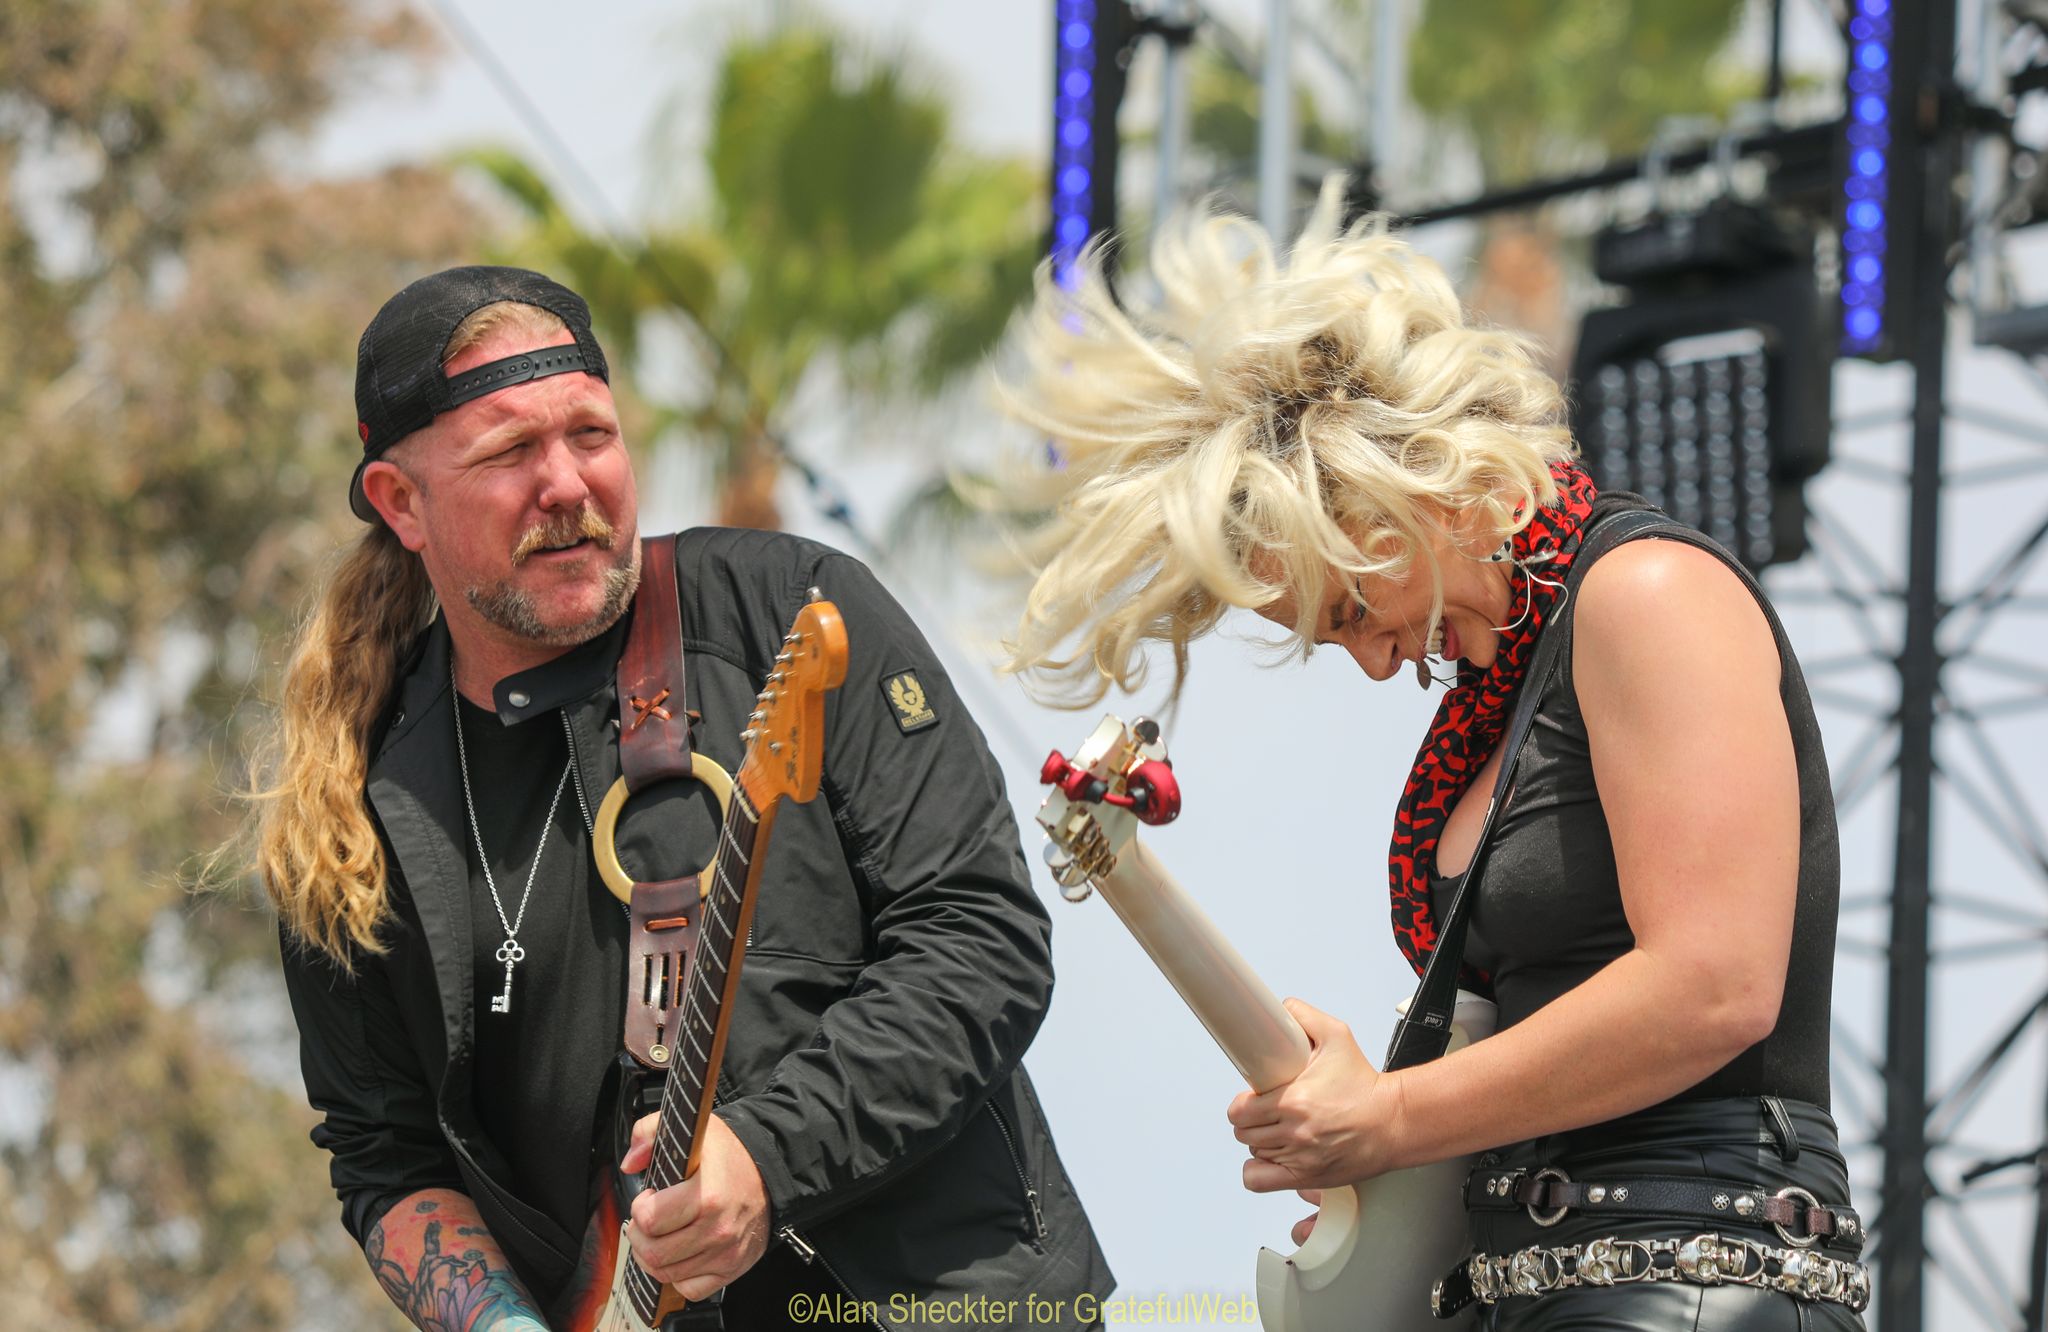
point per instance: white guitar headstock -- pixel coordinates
(1119, 778)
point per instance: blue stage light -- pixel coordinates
(1866, 188)
(1074, 134)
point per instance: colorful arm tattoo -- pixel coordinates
(440, 1266)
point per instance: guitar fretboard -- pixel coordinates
(690, 1071)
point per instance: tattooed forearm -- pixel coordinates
(440, 1266)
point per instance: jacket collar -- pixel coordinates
(575, 675)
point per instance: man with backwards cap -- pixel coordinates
(449, 715)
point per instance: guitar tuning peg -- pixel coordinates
(815, 595)
(1074, 885)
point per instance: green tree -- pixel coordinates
(845, 229)
(1537, 85)
(182, 316)
(1542, 86)
(1533, 87)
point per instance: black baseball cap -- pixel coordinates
(399, 383)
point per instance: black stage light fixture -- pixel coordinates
(1092, 42)
(1708, 394)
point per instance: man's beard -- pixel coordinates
(517, 612)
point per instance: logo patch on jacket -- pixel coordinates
(907, 701)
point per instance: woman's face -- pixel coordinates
(1392, 628)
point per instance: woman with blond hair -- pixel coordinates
(1323, 438)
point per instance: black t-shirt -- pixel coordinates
(541, 1065)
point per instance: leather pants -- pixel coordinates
(1737, 1139)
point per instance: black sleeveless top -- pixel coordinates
(1547, 912)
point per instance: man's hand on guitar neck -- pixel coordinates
(705, 1232)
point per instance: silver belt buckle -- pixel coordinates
(1797, 1242)
(1549, 1172)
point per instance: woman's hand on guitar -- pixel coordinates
(1328, 1126)
(705, 1232)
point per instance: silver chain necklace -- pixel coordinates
(510, 952)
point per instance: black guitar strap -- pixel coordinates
(1424, 1032)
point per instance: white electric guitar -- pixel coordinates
(1377, 1247)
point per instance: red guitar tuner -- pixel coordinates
(1151, 791)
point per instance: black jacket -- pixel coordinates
(899, 967)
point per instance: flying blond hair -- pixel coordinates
(317, 850)
(1246, 423)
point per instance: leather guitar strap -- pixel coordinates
(1424, 1032)
(654, 747)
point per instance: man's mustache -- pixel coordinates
(584, 524)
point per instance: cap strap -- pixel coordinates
(517, 370)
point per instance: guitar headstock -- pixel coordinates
(1120, 777)
(785, 734)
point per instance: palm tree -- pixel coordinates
(1534, 87)
(1537, 85)
(1540, 86)
(844, 226)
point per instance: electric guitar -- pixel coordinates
(784, 759)
(1378, 1246)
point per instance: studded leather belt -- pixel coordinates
(1706, 1260)
(1548, 1194)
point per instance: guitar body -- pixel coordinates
(1377, 1247)
(598, 1301)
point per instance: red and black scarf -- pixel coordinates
(1473, 715)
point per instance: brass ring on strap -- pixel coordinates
(1549, 1172)
(604, 846)
(1797, 1241)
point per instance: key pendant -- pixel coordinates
(509, 952)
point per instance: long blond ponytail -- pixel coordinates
(316, 848)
